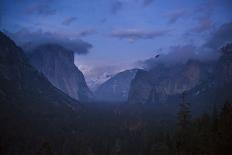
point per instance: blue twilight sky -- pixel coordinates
(119, 32)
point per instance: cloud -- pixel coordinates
(41, 8)
(147, 2)
(183, 53)
(116, 6)
(220, 37)
(29, 40)
(135, 34)
(175, 54)
(180, 54)
(175, 16)
(69, 20)
(204, 24)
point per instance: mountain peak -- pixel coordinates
(117, 87)
(57, 64)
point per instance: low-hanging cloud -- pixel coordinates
(29, 40)
(180, 54)
(136, 34)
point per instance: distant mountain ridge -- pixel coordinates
(157, 84)
(116, 88)
(57, 64)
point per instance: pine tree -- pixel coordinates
(225, 128)
(46, 149)
(184, 115)
(184, 121)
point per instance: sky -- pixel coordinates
(109, 36)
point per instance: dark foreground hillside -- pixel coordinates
(32, 111)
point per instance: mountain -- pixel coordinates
(94, 81)
(206, 84)
(157, 84)
(57, 64)
(32, 110)
(116, 88)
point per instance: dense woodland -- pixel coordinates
(111, 132)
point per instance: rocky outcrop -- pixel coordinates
(57, 64)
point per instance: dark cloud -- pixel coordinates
(29, 40)
(180, 55)
(43, 7)
(176, 54)
(204, 24)
(175, 15)
(147, 2)
(220, 37)
(116, 6)
(69, 20)
(135, 34)
(206, 52)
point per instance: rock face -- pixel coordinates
(156, 85)
(225, 64)
(116, 89)
(57, 64)
(31, 108)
